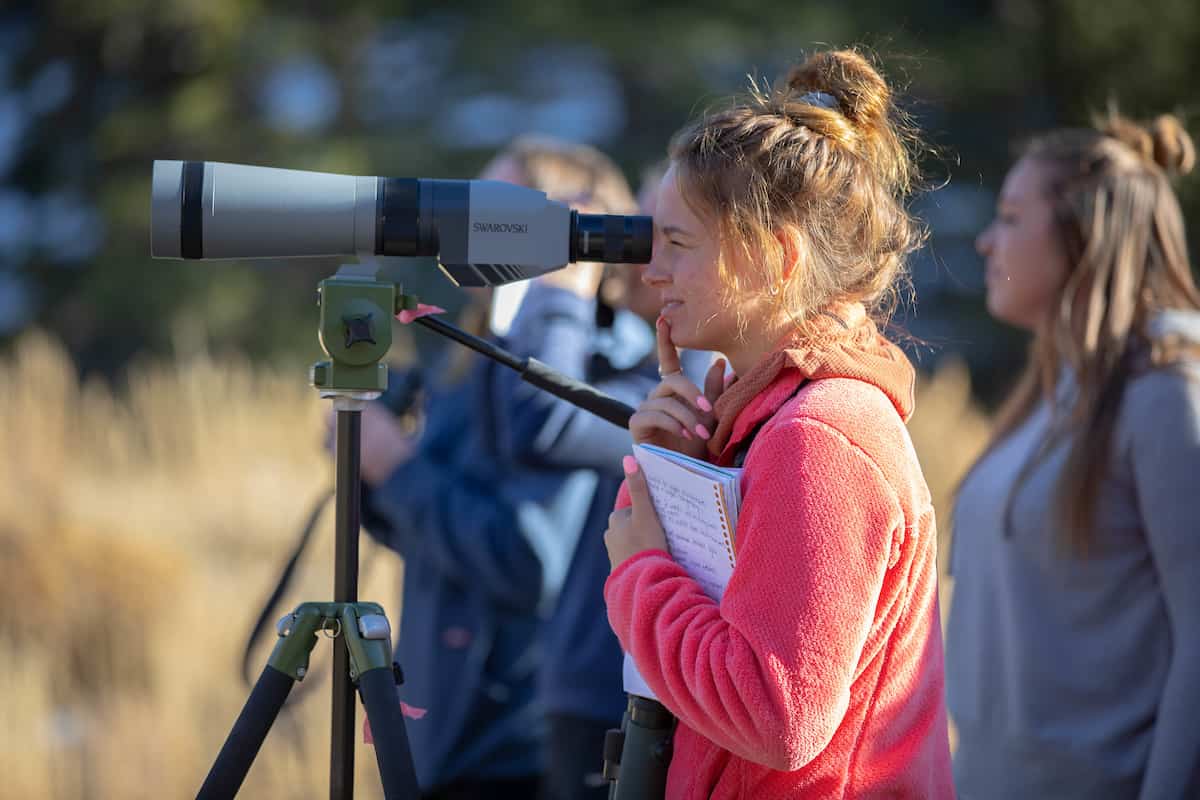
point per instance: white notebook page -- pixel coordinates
(697, 505)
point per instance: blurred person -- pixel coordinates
(1074, 633)
(609, 342)
(781, 226)
(480, 535)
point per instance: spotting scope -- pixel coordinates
(483, 233)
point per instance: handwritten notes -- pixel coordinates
(694, 510)
(697, 505)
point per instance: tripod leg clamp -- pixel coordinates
(297, 637)
(364, 625)
(368, 638)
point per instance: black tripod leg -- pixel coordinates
(249, 731)
(347, 516)
(399, 776)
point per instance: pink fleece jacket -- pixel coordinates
(820, 673)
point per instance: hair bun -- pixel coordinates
(1164, 141)
(1174, 150)
(865, 100)
(861, 92)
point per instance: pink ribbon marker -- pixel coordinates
(407, 316)
(412, 712)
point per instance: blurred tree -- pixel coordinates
(92, 92)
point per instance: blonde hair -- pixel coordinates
(1123, 234)
(840, 176)
(573, 173)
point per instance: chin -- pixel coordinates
(698, 341)
(1006, 312)
(683, 339)
(997, 308)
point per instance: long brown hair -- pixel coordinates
(1123, 233)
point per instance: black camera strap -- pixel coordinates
(281, 585)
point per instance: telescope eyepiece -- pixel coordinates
(611, 238)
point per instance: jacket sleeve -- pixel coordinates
(766, 674)
(1164, 408)
(558, 328)
(458, 522)
(554, 433)
(568, 436)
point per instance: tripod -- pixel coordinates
(366, 658)
(355, 331)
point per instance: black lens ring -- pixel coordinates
(191, 211)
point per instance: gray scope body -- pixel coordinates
(484, 233)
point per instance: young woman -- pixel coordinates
(485, 539)
(780, 227)
(1074, 661)
(579, 678)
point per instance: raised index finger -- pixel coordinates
(668, 356)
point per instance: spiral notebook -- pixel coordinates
(697, 504)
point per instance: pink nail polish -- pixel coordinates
(685, 434)
(630, 465)
(703, 431)
(703, 404)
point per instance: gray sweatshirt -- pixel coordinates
(1072, 678)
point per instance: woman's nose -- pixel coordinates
(654, 274)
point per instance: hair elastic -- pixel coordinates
(822, 99)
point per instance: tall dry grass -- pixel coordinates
(140, 532)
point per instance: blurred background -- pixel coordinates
(164, 446)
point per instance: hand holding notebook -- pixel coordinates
(697, 505)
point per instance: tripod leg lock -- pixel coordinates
(368, 637)
(374, 626)
(364, 627)
(297, 637)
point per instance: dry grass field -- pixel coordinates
(140, 530)
(140, 534)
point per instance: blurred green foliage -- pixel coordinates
(192, 79)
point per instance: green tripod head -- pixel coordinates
(355, 331)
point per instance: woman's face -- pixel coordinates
(1026, 262)
(684, 269)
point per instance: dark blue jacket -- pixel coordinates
(581, 666)
(480, 572)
